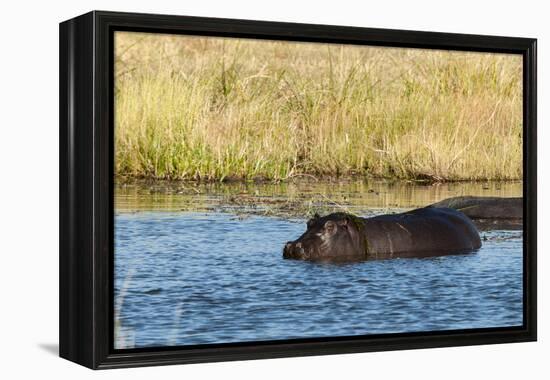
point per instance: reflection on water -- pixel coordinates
(190, 269)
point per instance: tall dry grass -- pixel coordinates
(211, 108)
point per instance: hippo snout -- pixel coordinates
(293, 250)
(287, 250)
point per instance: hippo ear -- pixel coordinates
(312, 220)
(344, 221)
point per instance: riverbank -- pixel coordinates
(212, 109)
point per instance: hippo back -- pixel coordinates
(426, 230)
(485, 207)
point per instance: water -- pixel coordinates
(214, 273)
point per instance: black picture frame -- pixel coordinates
(86, 188)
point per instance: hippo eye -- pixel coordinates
(330, 226)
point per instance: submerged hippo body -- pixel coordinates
(488, 212)
(421, 232)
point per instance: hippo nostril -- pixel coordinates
(288, 245)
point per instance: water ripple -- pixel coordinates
(177, 285)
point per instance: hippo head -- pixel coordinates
(332, 237)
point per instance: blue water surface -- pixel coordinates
(185, 278)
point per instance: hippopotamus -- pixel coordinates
(488, 212)
(425, 231)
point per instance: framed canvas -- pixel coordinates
(235, 189)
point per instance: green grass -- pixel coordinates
(214, 109)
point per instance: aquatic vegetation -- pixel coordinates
(217, 109)
(295, 200)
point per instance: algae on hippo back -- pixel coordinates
(360, 224)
